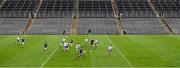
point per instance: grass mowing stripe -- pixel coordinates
(50, 56)
(119, 51)
(89, 39)
(22, 54)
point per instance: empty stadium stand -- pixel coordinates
(138, 17)
(174, 24)
(1, 1)
(95, 8)
(97, 26)
(55, 16)
(168, 8)
(56, 8)
(17, 8)
(96, 15)
(135, 8)
(12, 25)
(170, 11)
(143, 26)
(50, 26)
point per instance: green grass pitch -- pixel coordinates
(128, 51)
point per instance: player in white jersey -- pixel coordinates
(18, 40)
(77, 47)
(86, 41)
(95, 43)
(109, 48)
(66, 46)
(62, 42)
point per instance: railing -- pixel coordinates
(89, 14)
(54, 14)
(13, 14)
(40, 14)
(137, 14)
(170, 13)
(96, 14)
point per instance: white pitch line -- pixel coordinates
(120, 52)
(49, 58)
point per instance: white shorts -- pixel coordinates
(45, 48)
(22, 43)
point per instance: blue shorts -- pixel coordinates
(66, 47)
(110, 50)
(45, 48)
